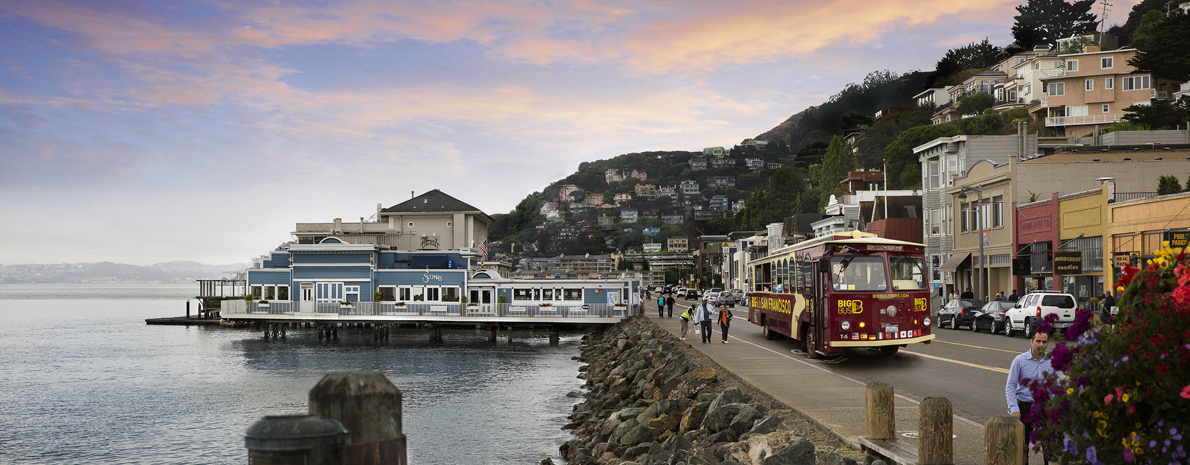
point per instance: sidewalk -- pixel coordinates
(834, 401)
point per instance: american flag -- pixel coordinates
(483, 247)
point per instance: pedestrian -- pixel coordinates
(967, 294)
(660, 306)
(669, 302)
(1000, 296)
(1109, 302)
(1013, 297)
(1030, 366)
(704, 316)
(685, 316)
(724, 321)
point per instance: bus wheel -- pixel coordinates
(808, 344)
(889, 350)
(768, 332)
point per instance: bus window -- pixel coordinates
(908, 273)
(855, 273)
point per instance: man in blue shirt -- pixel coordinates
(1032, 366)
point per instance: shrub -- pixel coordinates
(1122, 392)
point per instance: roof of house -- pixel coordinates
(435, 201)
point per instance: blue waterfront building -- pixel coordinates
(420, 257)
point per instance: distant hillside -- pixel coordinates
(108, 272)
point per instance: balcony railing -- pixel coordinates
(242, 309)
(1126, 196)
(1079, 120)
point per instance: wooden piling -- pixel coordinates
(554, 336)
(369, 407)
(187, 309)
(879, 415)
(1003, 441)
(935, 432)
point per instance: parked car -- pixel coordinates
(727, 298)
(692, 293)
(712, 297)
(1034, 306)
(959, 312)
(681, 292)
(991, 316)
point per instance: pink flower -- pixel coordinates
(1186, 392)
(1107, 400)
(1120, 392)
(1131, 409)
(1181, 295)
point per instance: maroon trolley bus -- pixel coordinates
(842, 291)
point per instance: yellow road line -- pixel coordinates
(997, 370)
(979, 347)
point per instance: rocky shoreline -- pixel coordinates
(653, 399)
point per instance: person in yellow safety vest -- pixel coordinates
(686, 316)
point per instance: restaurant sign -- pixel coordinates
(1068, 262)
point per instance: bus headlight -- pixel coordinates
(892, 311)
(925, 321)
(845, 325)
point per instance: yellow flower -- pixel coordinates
(1069, 391)
(1124, 398)
(1118, 289)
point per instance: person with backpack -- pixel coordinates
(704, 315)
(724, 320)
(685, 316)
(660, 306)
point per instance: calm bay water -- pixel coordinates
(84, 380)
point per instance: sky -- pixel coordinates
(149, 131)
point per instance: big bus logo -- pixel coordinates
(920, 305)
(851, 307)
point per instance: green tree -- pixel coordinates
(978, 56)
(1168, 185)
(838, 161)
(1160, 114)
(1043, 22)
(870, 152)
(1165, 55)
(975, 104)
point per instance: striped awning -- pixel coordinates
(955, 260)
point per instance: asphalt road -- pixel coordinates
(967, 368)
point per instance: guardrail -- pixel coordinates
(430, 309)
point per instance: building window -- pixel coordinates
(965, 225)
(1057, 89)
(1071, 65)
(998, 211)
(947, 220)
(1136, 83)
(1090, 84)
(934, 175)
(1105, 108)
(1109, 83)
(1105, 63)
(935, 222)
(985, 214)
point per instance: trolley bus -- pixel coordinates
(842, 291)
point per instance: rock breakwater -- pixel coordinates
(653, 399)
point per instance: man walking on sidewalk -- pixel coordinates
(705, 314)
(669, 303)
(1032, 366)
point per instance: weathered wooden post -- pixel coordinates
(369, 406)
(879, 414)
(935, 429)
(493, 333)
(1003, 441)
(187, 309)
(554, 336)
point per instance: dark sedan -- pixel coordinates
(991, 317)
(959, 312)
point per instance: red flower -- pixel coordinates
(1186, 392)
(1126, 275)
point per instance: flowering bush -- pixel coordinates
(1122, 392)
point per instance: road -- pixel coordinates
(967, 368)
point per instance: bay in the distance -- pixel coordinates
(84, 380)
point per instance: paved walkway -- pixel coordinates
(832, 400)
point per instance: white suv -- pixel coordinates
(1032, 309)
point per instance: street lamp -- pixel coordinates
(982, 284)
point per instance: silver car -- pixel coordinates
(727, 298)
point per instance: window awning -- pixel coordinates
(955, 260)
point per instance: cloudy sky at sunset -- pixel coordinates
(148, 131)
